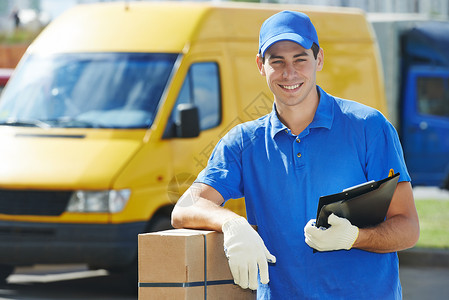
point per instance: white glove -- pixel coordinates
(246, 253)
(340, 235)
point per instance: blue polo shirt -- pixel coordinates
(282, 177)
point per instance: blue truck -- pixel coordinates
(415, 58)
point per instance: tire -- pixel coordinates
(159, 222)
(130, 274)
(5, 271)
(446, 183)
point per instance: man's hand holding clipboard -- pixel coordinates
(360, 206)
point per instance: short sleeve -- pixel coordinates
(384, 151)
(224, 168)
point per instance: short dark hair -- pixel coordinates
(315, 50)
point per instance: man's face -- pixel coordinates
(291, 70)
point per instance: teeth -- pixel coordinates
(291, 87)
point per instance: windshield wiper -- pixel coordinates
(73, 123)
(26, 123)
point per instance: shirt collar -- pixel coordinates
(276, 124)
(324, 115)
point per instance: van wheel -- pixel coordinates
(446, 183)
(130, 273)
(5, 271)
(158, 223)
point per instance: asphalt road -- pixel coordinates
(64, 282)
(76, 282)
(419, 283)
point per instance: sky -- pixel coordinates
(55, 7)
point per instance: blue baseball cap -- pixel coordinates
(287, 26)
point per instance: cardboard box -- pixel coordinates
(186, 264)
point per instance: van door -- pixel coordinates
(425, 128)
(201, 87)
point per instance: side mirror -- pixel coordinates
(189, 121)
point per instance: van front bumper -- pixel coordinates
(99, 245)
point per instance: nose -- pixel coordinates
(289, 71)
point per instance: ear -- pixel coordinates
(320, 60)
(260, 65)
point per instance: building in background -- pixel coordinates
(26, 14)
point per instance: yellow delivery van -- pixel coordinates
(116, 107)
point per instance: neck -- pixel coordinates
(298, 117)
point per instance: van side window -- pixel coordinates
(433, 96)
(201, 87)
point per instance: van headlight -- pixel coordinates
(111, 201)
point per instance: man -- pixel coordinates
(311, 144)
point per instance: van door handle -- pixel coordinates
(423, 125)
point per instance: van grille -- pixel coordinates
(33, 202)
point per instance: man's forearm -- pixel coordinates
(399, 231)
(201, 215)
(395, 234)
(193, 210)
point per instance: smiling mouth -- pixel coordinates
(291, 87)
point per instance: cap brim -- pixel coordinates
(304, 42)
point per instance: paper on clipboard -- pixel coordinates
(363, 205)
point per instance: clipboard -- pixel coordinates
(363, 205)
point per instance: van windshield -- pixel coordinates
(89, 90)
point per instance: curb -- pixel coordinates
(424, 257)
